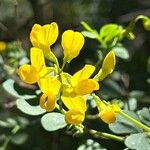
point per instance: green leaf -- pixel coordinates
(8, 86)
(90, 101)
(121, 52)
(137, 142)
(25, 107)
(9, 123)
(23, 61)
(122, 126)
(110, 31)
(19, 139)
(145, 112)
(91, 35)
(86, 26)
(131, 104)
(145, 115)
(91, 145)
(136, 94)
(53, 121)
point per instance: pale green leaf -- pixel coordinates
(26, 108)
(109, 32)
(86, 26)
(91, 35)
(8, 86)
(91, 145)
(121, 52)
(19, 139)
(137, 142)
(123, 126)
(144, 114)
(53, 121)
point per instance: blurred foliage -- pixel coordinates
(130, 82)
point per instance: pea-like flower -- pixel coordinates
(72, 42)
(44, 36)
(50, 87)
(77, 107)
(107, 112)
(80, 84)
(74, 91)
(108, 66)
(32, 73)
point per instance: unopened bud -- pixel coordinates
(146, 24)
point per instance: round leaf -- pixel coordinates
(25, 107)
(53, 121)
(137, 141)
(122, 126)
(121, 52)
(91, 145)
(8, 86)
(19, 138)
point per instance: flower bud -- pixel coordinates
(72, 42)
(146, 24)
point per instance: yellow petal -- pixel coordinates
(72, 42)
(48, 101)
(50, 32)
(28, 74)
(68, 91)
(108, 115)
(86, 86)
(38, 61)
(44, 36)
(49, 84)
(100, 104)
(74, 116)
(109, 63)
(74, 103)
(34, 35)
(116, 108)
(82, 74)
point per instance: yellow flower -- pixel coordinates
(32, 73)
(77, 107)
(107, 112)
(74, 89)
(107, 66)
(80, 84)
(44, 36)
(72, 42)
(109, 63)
(50, 88)
(2, 46)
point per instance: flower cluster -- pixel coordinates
(67, 93)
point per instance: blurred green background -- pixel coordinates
(16, 20)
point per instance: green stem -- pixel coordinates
(6, 142)
(7, 139)
(92, 117)
(105, 135)
(63, 65)
(132, 24)
(137, 123)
